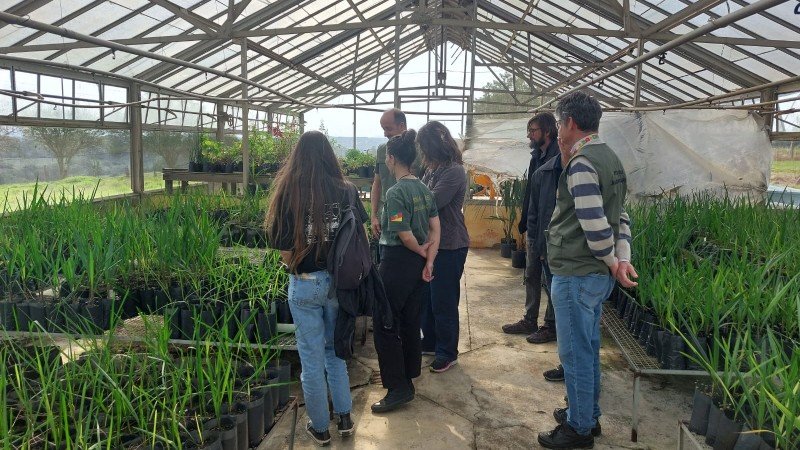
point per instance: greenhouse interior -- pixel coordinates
(142, 307)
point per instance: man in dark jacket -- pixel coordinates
(542, 133)
(543, 202)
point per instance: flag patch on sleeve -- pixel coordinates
(396, 218)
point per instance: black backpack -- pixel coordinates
(349, 258)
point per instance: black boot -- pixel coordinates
(393, 400)
(563, 437)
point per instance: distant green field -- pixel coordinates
(12, 195)
(786, 173)
(786, 166)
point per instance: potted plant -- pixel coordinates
(358, 163)
(512, 193)
(209, 152)
(518, 255)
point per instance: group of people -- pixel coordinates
(578, 238)
(578, 247)
(417, 217)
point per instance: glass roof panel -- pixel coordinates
(11, 34)
(761, 69)
(129, 28)
(88, 23)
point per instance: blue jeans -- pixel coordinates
(315, 319)
(578, 303)
(440, 309)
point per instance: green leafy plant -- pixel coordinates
(512, 192)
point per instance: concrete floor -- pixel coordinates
(496, 398)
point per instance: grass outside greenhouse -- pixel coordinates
(12, 195)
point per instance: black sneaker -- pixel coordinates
(322, 439)
(442, 365)
(393, 400)
(554, 375)
(521, 327)
(345, 425)
(543, 335)
(560, 414)
(564, 437)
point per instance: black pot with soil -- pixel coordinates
(518, 259)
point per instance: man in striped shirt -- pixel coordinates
(588, 248)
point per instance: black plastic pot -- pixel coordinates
(628, 316)
(701, 404)
(364, 171)
(208, 323)
(518, 259)
(747, 440)
(226, 427)
(284, 313)
(148, 300)
(700, 352)
(187, 323)
(507, 249)
(7, 316)
(266, 325)
(22, 314)
(203, 440)
(238, 411)
(283, 369)
(95, 315)
(714, 415)
(247, 319)
(727, 433)
(645, 326)
(270, 395)
(622, 305)
(161, 300)
(659, 345)
(38, 314)
(255, 417)
(671, 348)
(172, 317)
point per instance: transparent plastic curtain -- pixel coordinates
(664, 153)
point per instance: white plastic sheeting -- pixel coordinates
(673, 152)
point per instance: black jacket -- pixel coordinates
(359, 302)
(543, 202)
(537, 159)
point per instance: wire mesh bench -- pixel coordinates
(639, 361)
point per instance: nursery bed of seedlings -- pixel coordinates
(153, 274)
(719, 291)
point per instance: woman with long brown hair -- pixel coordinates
(446, 178)
(304, 214)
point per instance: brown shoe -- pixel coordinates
(541, 336)
(521, 327)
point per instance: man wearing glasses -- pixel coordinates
(588, 248)
(543, 135)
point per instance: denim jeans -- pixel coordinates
(315, 319)
(440, 309)
(578, 303)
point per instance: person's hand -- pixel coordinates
(427, 271)
(624, 272)
(423, 249)
(375, 226)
